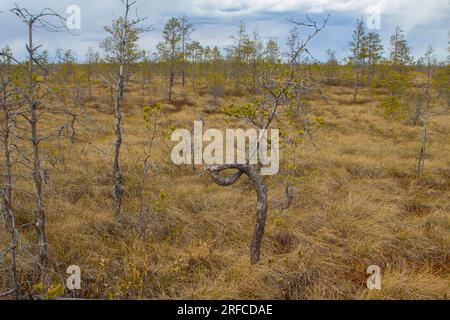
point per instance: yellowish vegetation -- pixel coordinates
(359, 203)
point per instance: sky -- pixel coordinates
(426, 22)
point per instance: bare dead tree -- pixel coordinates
(48, 20)
(7, 93)
(276, 93)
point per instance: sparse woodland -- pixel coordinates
(87, 179)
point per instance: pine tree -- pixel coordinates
(121, 48)
(374, 52)
(239, 54)
(194, 51)
(186, 28)
(358, 53)
(331, 65)
(272, 52)
(400, 54)
(169, 48)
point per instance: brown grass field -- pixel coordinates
(358, 202)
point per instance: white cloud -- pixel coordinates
(409, 12)
(425, 22)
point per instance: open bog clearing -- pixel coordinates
(350, 170)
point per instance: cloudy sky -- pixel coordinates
(426, 22)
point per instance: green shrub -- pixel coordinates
(393, 108)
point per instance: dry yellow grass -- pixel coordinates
(359, 204)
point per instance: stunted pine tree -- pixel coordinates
(239, 54)
(92, 60)
(358, 53)
(121, 48)
(186, 28)
(331, 66)
(272, 53)
(271, 58)
(194, 52)
(400, 52)
(374, 49)
(169, 48)
(256, 46)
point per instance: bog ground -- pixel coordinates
(358, 203)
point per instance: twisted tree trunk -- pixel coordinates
(261, 191)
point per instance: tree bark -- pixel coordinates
(356, 86)
(118, 179)
(7, 202)
(171, 74)
(38, 173)
(423, 147)
(183, 67)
